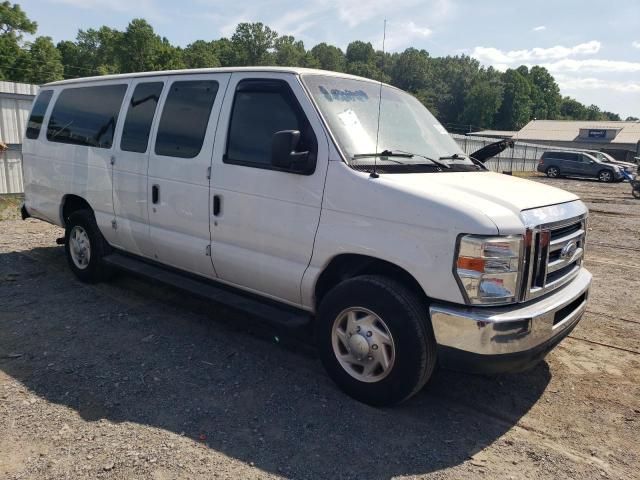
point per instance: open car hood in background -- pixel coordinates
(491, 150)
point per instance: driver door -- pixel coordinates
(264, 219)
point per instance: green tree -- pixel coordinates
(226, 52)
(201, 54)
(482, 101)
(515, 110)
(545, 94)
(42, 62)
(329, 57)
(141, 49)
(253, 43)
(571, 109)
(410, 70)
(288, 52)
(361, 60)
(613, 117)
(95, 52)
(14, 23)
(594, 113)
(453, 77)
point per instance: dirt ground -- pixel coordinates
(129, 380)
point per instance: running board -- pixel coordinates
(284, 315)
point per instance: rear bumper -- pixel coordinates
(508, 338)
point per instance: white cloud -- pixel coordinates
(539, 28)
(635, 44)
(116, 5)
(402, 35)
(496, 56)
(594, 65)
(140, 8)
(590, 83)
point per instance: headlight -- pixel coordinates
(489, 268)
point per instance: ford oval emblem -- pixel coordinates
(568, 250)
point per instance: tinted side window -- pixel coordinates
(137, 124)
(260, 109)
(185, 117)
(86, 115)
(37, 113)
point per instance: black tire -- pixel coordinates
(605, 176)
(553, 172)
(405, 316)
(636, 193)
(95, 271)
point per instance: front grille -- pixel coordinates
(553, 255)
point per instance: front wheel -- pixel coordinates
(375, 340)
(605, 176)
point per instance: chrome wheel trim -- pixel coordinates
(363, 344)
(552, 172)
(605, 176)
(79, 247)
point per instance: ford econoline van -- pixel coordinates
(317, 197)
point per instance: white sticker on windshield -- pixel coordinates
(358, 135)
(440, 129)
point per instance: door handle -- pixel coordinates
(216, 205)
(155, 194)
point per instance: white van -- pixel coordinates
(320, 203)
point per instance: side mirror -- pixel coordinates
(283, 151)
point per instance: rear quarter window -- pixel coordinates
(86, 115)
(37, 113)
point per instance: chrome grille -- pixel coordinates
(553, 255)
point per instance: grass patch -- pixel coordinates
(10, 206)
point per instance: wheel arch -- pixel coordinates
(72, 203)
(349, 265)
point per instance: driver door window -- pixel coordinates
(260, 109)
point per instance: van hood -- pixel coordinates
(485, 191)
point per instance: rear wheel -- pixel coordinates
(85, 246)
(553, 172)
(605, 176)
(375, 340)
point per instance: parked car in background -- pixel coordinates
(566, 163)
(630, 167)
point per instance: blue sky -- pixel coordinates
(591, 47)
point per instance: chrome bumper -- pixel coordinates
(512, 329)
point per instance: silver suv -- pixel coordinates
(578, 164)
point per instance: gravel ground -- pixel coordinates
(131, 380)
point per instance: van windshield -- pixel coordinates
(409, 134)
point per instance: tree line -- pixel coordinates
(463, 94)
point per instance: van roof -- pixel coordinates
(195, 71)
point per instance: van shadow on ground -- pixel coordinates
(129, 351)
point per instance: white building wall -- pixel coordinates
(15, 105)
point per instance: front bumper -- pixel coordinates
(508, 338)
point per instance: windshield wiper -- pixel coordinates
(455, 156)
(384, 153)
(401, 154)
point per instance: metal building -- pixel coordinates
(15, 104)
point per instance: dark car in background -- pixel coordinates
(565, 163)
